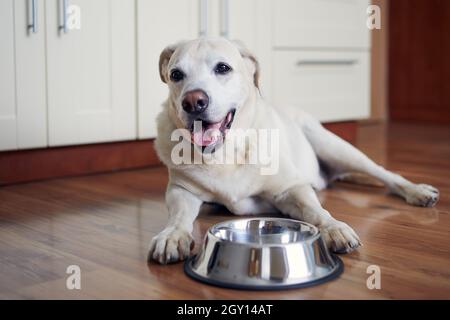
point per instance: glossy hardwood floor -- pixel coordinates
(103, 224)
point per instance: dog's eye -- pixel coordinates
(222, 68)
(176, 75)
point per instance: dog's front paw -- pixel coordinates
(171, 245)
(422, 195)
(339, 237)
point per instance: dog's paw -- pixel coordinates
(422, 195)
(339, 237)
(171, 245)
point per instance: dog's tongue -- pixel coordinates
(207, 135)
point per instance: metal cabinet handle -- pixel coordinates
(225, 23)
(64, 27)
(326, 62)
(203, 18)
(33, 25)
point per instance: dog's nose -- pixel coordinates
(195, 101)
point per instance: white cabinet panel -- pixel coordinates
(91, 73)
(30, 75)
(8, 114)
(248, 21)
(320, 23)
(160, 23)
(332, 86)
(242, 21)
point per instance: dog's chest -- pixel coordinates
(226, 184)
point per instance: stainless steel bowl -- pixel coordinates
(263, 254)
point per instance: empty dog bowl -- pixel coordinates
(263, 254)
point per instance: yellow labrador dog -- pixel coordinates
(213, 90)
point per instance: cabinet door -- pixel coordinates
(91, 72)
(160, 23)
(320, 23)
(30, 74)
(247, 21)
(8, 114)
(239, 20)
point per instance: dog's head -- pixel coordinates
(209, 81)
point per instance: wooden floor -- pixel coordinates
(104, 223)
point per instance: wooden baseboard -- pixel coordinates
(40, 164)
(347, 130)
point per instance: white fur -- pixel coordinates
(242, 189)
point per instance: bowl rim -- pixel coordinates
(314, 237)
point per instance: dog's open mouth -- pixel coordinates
(207, 134)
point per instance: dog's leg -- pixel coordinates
(301, 202)
(342, 157)
(174, 242)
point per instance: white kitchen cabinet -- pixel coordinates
(101, 82)
(321, 58)
(59, 88)
(23, 116)
(331, 85)
(91, 73)
(238, 20)
(8, 114)
(159, 24)
(320, 23)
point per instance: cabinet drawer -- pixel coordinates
(332, 86)
(320, 23)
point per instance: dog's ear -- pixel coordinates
(164, 59)
(251, 61)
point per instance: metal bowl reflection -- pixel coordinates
(263, 254)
